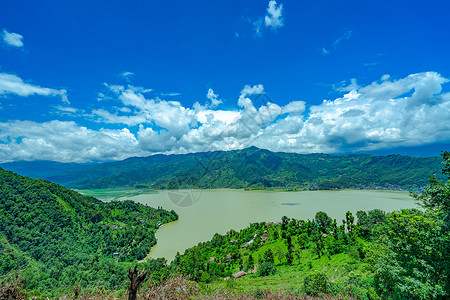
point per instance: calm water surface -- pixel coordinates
(222, 210)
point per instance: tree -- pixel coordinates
(415, 263)
(135, 280)
(250, 263)
(268, 256)
(412, 264)
(289, 257)
(349, 219)
(284, 223)
(436, 196)
(324, 221)
(367, 221)
(318, 239)
(266, 268)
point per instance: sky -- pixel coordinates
(93, 81)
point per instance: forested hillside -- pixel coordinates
(251, 167)
(59, 237)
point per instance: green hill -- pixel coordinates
(62, 237)
(253, 167)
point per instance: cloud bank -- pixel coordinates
(387, 113)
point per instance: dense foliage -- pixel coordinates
(59, 237)
(251, 167)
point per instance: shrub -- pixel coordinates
(317, 284)
(266, 268)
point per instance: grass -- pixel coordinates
(65, 206)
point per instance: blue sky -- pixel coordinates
(103, 81)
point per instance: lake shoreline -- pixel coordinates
(107, 194)
(220, 210)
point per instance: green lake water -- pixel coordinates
(203, 213)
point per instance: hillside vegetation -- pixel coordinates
(251, 167)
(57, 237)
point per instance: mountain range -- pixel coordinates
(248, 168)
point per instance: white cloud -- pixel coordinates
(12, 39)
(127, 74)
(247, 91)
(294, 107)
(170, 94)
(170, 115)
(387, 113)
(214, 98)
(225, 116)
(130, 120)
(406, 112)
(66, 109)
(385, 77)
(64, 142)
(12, 84)
(274, 17)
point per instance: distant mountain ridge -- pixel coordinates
(250, 167)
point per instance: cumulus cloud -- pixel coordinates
(12, 39)
(406, 112)
(247, 91)
(274, 16)
(137, 109)
(273, 19)
(386, 113)
(12, 84)
(64, 142)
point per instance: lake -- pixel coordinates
(203, 213)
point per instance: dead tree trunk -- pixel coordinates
(135, 281)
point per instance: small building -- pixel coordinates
(248, 243)
(229, 257)
(116, 254)
(239, 274)
(211, 259)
